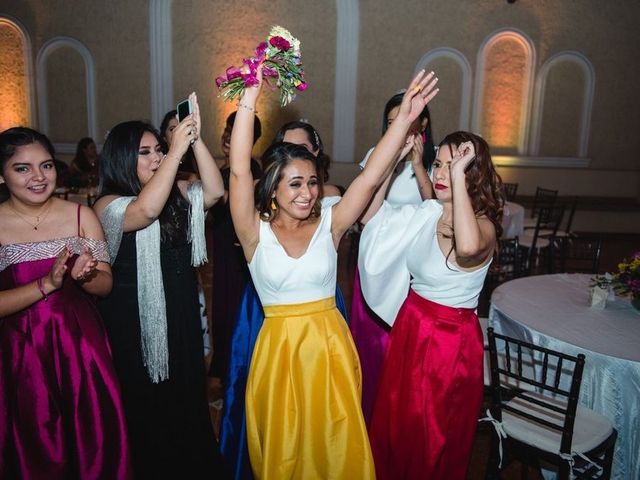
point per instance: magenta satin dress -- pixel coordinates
(430, 392)
(370, 334)
(60, 409)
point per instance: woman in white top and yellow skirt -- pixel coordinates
(303, 393)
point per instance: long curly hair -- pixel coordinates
(484, 185)
(274, 160)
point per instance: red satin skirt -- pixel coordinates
(430, 392)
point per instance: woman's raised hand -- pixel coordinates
(417, 149)
(184, 135)
(421, 91)
(251, 93)
(197, 120)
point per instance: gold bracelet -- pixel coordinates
(247, 107)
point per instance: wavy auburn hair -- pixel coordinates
(274, 161)
(484, 185)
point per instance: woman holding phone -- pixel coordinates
(154, 225)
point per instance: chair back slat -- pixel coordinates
(579, 254)
(544, 198)
(556, 381)
(545, 367)
(510, 190)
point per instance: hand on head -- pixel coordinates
(462, 157)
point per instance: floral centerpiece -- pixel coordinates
(280, 55)
(627, 279)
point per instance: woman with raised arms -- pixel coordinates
(304, 418)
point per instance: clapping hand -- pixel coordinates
(84, 267)
(53, 280)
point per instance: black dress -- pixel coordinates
(169, 425)
(230, 278)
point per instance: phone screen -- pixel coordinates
(184, 109)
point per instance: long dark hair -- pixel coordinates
(322, 159)
(13, 138)
(275, 159)
(429, 151)
(119, 175)
(484, 184)
(80, 161)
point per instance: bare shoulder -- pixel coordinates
(102, 203)
(331, 190)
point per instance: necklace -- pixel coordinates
(39, 218)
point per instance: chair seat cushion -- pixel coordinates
(527, 239)
(590, 428)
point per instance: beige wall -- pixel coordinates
(209, 35)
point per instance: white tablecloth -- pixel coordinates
(553, 311)
(512, 220)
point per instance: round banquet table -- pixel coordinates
(512, 220)
(553, 311)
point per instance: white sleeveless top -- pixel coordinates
(399, 249)
(281, 280)
(435, 279)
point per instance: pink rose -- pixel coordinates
(249, 79)
(280, 43)
(220, 80)
(269, 71)
(233, 72)
(261, 49)
(302, 87)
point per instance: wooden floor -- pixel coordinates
(615, 247)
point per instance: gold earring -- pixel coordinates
(273, 205)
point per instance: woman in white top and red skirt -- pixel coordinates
(422, 269)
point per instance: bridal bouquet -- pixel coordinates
(280, 55)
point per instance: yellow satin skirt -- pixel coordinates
(304, 418)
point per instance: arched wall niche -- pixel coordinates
(567, 79)
(47, 50)
(451, 64)
(503, 90)
(16, 91)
